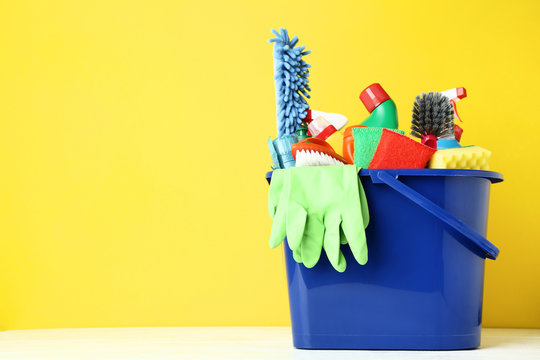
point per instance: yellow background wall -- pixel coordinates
(133, 147)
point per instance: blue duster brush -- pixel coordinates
(291, 80)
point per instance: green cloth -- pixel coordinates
(366, 141)
(316, 207)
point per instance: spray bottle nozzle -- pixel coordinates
(321, 128)
(455, 95)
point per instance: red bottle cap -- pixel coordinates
(308, 117)
(373, 96)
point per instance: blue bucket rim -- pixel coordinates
(492, 176)
(390, 178)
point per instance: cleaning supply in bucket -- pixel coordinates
(433, 122)
(322, 129)
(458, 131)
(280, 151)
(397, 151)
(432, 119)
(348, 143)
(455, 95)
(327, 127)
(315, 152)
(366, 140)
(381, 107)
(291, 76)
(311, 205)
(466, 157)
(383, 115)
(338, 121)
(302, 132)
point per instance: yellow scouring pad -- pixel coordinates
(467, 157)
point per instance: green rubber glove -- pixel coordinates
(314, 207)
(277, 206)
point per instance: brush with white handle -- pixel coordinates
(315, 152)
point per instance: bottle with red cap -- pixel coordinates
(383, 114)
(382, 109)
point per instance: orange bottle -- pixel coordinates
(348, 144)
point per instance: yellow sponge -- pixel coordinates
(467, 157)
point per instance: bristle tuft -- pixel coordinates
(432, 114)
(315, 158)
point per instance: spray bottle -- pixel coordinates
(327, 127)
(455, 95)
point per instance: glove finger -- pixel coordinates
(342, 237)
(363, 204)
(274, 194)
(352, 218)
(279, 230)
(296, 223)
(312, 241)
(353, 227)
(297, 255)
(331, 242)
(341, 265)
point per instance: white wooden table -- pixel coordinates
(231, 343)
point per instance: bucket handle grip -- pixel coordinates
(487, 247)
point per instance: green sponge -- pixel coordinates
(366, 140)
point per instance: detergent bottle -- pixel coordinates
(382, 109)
(383, 114)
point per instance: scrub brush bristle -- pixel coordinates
(315, 158)
(432, 118)
(315, 152)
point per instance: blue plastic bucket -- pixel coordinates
(422, 285)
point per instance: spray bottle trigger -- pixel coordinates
(455, 110)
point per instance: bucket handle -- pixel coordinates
(490, 251)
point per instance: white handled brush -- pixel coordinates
(315, 152)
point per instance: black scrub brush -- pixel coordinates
(432, 118)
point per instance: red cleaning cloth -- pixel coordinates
(396, 151)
